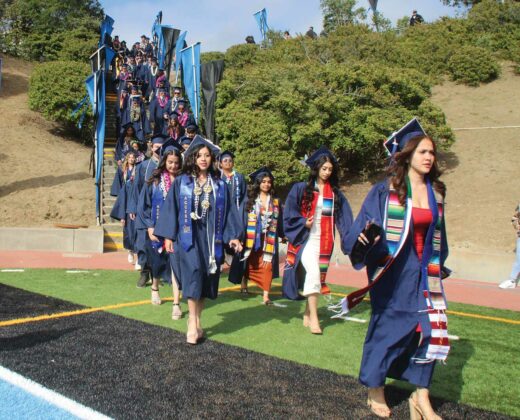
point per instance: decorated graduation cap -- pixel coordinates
(322, 151)
(226, 153)
(261, 173)
(201, 141)
(396, 142)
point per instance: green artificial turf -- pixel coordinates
(482, 369)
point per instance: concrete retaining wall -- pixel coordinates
(51, 239)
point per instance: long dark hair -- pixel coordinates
(398, 169)
(308, 194)
(190, 167)
(156, 174)
(253, 190)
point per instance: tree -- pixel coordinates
(380, 22)
(41, 29)
(338, 13)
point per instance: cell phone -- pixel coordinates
(359, 251)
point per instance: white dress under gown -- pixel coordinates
(311, 253)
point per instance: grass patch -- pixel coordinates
(480, 371)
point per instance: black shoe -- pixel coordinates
(143, 279)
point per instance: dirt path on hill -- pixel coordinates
(482, 169)
(44, 177)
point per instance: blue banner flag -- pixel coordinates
(191, 76)
(261, 20)
(91, 89)
(109, 56)
(107, 26)
(178, 56)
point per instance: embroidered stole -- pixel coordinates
(327, 234)
(254, 230)
(397, 227)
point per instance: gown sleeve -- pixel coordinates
(133, 196)
(233, 225)
(293, 221)
(344, 218)
(372, 210)
(279, 227)
(144, 208)
(168, 222)
(117, 183)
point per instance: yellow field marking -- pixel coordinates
(113, 235)
(222, 290)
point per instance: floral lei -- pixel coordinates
(166, 183)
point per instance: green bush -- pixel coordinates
(55, 88)
(473, 65)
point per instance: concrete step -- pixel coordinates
(113, 227)
(112, 247)
(107, 219)
(109, 201)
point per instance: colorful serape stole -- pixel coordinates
(327, 234)
(397, 226)
(270, 234)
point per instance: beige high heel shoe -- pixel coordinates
(416, 413)
(379, 409)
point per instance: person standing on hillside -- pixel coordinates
(310, 33)
(416, 18)
(515, 271)
(400, 236)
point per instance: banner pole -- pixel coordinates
(195, 84)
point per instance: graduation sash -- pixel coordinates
(327, 233)
(254, 230)
(397, 221)
(185, 221)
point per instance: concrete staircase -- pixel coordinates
(113, 232)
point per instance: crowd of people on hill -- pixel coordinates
(187, 212)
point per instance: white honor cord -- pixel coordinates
(211, 244)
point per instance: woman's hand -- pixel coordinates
(168, 245)
(364, 240)
(123, 222)
(308, 223)
(132, 216)
(152, 236)
(236, 245)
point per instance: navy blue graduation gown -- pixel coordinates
(142, 126)
(143, 172)
(197, 281)
(298, 234)
(238, 267)
(161, 263)
(120, 210)
(392, 344)
(157, 116)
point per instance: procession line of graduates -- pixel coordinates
(190, 220)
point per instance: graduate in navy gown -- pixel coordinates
(124, 143)
(174, 100)
(150, 206)
(238, 188)
(196, 220)
(143, 173)
(122, 102)
(151, 76)
(312, 210)
(122, 188)
(159, 115)
(405, 262)
(135, 114)
(263, 226)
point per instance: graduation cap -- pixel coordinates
(322, 151)
(161, 89)
(201, 141)
(170, 144)
(177, 89)
(261, 173)
(192, 126)
(185, 140)
(398, 139)
(159, 139)
(226, 153)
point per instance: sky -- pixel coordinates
(219, 24)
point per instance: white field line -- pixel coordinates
(50, 396)
(12, 270)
